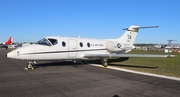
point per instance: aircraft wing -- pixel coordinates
(125, 55)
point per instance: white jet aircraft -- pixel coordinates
(66, 48)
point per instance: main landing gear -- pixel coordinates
(104, 62)
(30, 65)
(84, 62)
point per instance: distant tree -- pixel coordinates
(143, 44)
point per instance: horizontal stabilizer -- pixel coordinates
(139, 27)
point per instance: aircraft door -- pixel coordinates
(72, 48)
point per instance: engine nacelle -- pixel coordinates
(114, 47)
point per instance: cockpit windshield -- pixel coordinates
(53, 41)
(47, 42)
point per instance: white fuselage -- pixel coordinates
(67, 48)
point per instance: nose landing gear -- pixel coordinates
(30, 65)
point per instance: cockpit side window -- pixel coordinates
(44, 41)
(53, 41)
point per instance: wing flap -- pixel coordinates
(125, 55)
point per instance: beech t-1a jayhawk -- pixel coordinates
(66, 48)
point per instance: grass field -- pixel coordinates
(169, 66)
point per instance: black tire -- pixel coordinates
(105, 64)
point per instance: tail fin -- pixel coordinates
(9, 41)
(128, 38)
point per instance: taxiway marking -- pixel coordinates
(136, 72)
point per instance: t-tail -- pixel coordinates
(9, 41)
(129, 37)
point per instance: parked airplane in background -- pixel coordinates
(66, 48)
(169, 45)
(8, 42)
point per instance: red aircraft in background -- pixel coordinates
(8, 42)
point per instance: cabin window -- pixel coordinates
(88, 44)
(81, 44)
(53, 41)
(63, 44)
(44, 41)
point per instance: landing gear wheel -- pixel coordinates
(104, 62)
(29, 66)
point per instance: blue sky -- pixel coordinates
(31, 20)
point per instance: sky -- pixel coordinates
(31, 20)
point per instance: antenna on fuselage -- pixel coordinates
(79, 36)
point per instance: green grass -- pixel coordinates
(165, 66)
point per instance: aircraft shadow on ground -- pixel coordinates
(78, 64)
(109, 60)
(125, 59)
(47, 64)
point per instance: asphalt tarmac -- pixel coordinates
(65, 79)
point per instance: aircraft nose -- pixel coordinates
(11, 54)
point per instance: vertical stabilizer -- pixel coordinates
(9, 41)
(129, 37)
